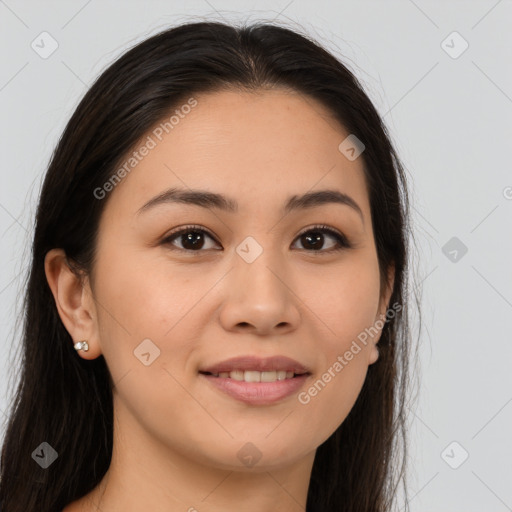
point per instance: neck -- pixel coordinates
(146, 474)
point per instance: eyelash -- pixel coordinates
(342, 241)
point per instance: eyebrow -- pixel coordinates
(206, 199)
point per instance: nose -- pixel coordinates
(259, 298)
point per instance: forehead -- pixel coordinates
(255, 146)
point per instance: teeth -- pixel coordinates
(254, 376)
(237, 375)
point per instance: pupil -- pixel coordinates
(314, 240)
(194, 239)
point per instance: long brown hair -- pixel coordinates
(65, 400)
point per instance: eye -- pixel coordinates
(192, 239)
(314, 238)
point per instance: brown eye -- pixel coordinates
(191, 238)
(314, 239)
(195, 239)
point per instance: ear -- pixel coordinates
(74, 301)
(380, 319)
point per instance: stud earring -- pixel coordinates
(81, 345)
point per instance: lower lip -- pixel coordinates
(257, 393)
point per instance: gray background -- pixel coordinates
(449, 114)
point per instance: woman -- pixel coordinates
(216, 311)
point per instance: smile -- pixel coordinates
(255, 376)
(257, 391)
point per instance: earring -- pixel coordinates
(82, 345)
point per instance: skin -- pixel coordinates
(176, 437)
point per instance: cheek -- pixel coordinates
(345, 299)
(136, 302)
(146, 338)
(330, 397)
(146, 298)
(346, 306)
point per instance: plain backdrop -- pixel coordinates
(440, 74)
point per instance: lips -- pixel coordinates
(256, 364)
(257, 381)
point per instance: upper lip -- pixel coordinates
(252, 363)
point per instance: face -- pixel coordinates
(180, 287)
